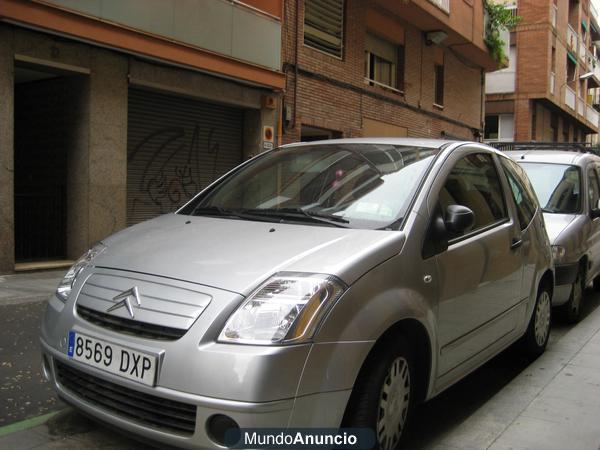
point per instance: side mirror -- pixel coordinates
(459, 218)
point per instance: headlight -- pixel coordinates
(65, 286)
(558, 252)
(286, 309)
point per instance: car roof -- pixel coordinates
(552, 156)
(410, 142)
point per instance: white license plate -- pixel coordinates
(131, 364)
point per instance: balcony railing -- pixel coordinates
(594, 11)
(500, 82)
(570, 97)
(592, 116)
(553, 15)
(572, 38)
(590, 60)
(444, 5)
(582, 50)
(552, 82)
(581, 106)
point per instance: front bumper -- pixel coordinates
(316, 410)
(565, 276)
(566, 273)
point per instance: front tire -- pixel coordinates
(538, 331)
(384, 394)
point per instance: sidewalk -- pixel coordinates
(551, 403)
(28, 287)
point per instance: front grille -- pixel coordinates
(146, 409)
(128, 326)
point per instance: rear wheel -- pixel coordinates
(538, 330)
(571, 311)
(384, 394)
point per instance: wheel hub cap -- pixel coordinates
(393, 404)
(542, 318)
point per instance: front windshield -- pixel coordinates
(350, 185)
(557, 186)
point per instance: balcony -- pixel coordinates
(590, 60)
(594, 12)
(500, 82)
(430, 15)
(592, 116)
(444, 5)
(581, 107)
(570, 97)
(572, 39)
(582, 50)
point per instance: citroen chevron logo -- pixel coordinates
(124, 299)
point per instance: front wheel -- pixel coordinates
(538, 330)
(384, 394)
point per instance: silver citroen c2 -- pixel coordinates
(327, 284)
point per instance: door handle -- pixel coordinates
(516, 243)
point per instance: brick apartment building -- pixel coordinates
(384, 68)
(113, 112)
(549, 91)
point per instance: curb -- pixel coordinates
(26, 424)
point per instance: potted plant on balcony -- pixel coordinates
(498, 18)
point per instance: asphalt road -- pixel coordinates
(23, 392)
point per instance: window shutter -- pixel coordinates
(324, 25)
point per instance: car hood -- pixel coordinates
(556, 223)
(236, 255)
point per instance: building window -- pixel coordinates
(324, 25)
(439, 85)
(491, 128)
(384, 63)
(499, 128)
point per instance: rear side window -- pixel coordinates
(522, 192)
(474, 183)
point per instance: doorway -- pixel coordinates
(45, 113)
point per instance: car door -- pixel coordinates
(593, 237)
(479, 273)
(526, 205)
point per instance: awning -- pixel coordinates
(572, 58)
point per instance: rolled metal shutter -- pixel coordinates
(176, 146)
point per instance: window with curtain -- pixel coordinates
(384, 62)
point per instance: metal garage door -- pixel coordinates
(175, 147)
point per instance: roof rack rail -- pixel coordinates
(580, 147)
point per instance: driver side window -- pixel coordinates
(474, 183)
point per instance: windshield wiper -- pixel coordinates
(550, 210)
(224, 212)
(298, 213)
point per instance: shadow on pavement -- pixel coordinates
(453, 406)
